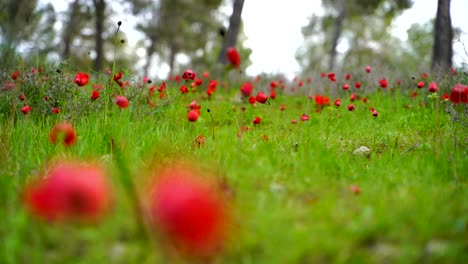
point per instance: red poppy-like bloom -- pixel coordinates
(188, 75)
(282, 107)
(331, 77)
(198, 81)
(26, 109)
(272, 94)
(81, 79)
(55, 110)
(368, 69)
(206, 75)
(300, 83)
(189, 210)
(193, 115)
(95, 95)
(375, 113)
(252, 99)
(14, 75)
(294, 121)
(383, 83)
(357, 85)
(459, 94)
(355, 189)
(121, 101)
(352, 97)
(273, 84)
(246, 89)
(351, 107)
(233, 57)
(337, 102)
(22, 97)
(71, 191)
(257, 120)
(420, 85)
(347, 76)
(117, 76)
(65, 129)
(261, 97)
(212, 86)
(345, 86)
(305, 117)
(432, 87)
(321, 100)
(184, 89)
(445, 96)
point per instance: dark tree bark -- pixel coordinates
(100, 6)
(336, 33)
(71, 25)
(443, 37)
(230, 37)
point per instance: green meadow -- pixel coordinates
(298, 193)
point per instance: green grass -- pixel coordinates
(292, 202)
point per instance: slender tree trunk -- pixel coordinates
(336, 33)
(100, 6)
(70, 28)
(172, 55)
(149, 56)
(443, 37)
(230, 37)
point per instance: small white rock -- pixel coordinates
(362, 150)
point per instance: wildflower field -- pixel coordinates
(111, 167)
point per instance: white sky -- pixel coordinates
(273, 30)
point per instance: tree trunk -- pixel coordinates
(443, 37)
(69, 31)
(172, 55)
(336, 33)
(100, 6)
(230, 38)
(149, 56)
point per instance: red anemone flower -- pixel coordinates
(357, 85)
(65, 129)
(193, 115)
(189, 210)
(71, 191)
(331, 77)
(26, 109)
(95, 95)
(272, 94)
(261, 97)
(383, 83)
(347, 76)
(233, 57)
(345, 86)
(375, 113)
(351, 107)
(432, 87)
(337, 102)
(246, 89)
(420, 84)
(459, 94)
(305, 117)
(257, 120)
(81, 79)
(188, 75)
(121, 101)
(368, 69)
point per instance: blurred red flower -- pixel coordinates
(331, 77)
(261, 97)
(26, 109)
(81, 79)
(459, 94)
(65, 129)
(257, 120)
(383, 83)
(193, 115)
(305, 117)
(337, 102)
(246, 89)
(188, 75)
(357, 85)
(420, 85)
(189, 211)
(70, 191)
(95, 95)
(368, 69)
(121, 101)
(233, 57)
(351, 107)
(432, 87)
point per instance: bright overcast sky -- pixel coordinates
(273, 30)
